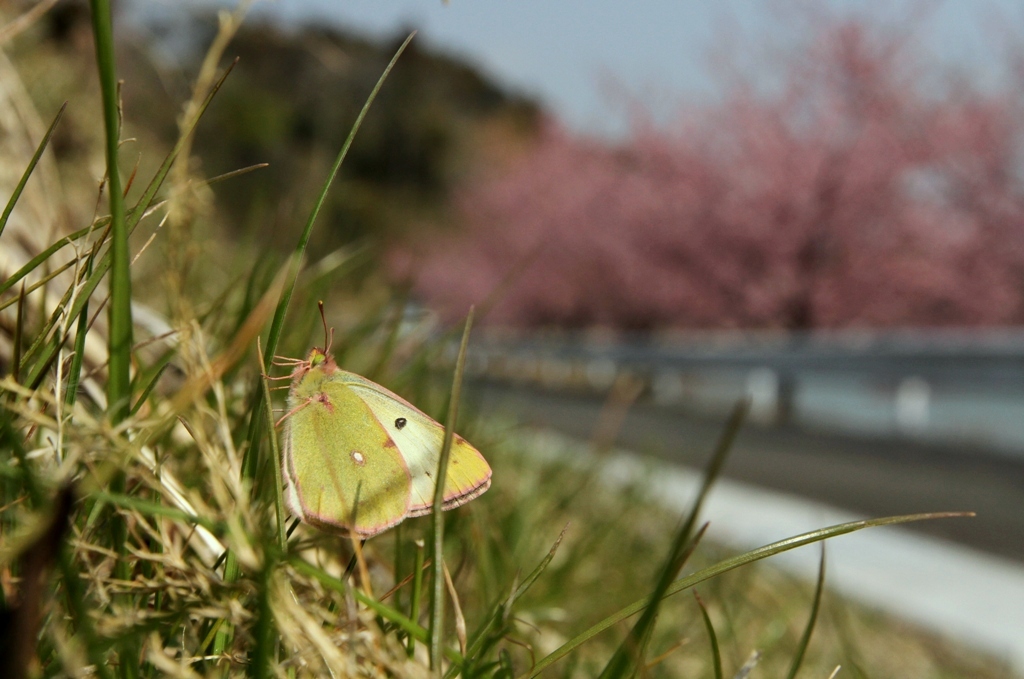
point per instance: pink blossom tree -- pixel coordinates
(851, 194)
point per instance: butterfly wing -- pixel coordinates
(344, 473)
(419, 439)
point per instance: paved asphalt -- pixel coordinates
(874, 477)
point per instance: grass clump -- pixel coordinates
(141, 527)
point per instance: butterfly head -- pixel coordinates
(318, 359)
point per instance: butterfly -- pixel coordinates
(359, 459)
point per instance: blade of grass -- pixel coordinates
(728, 565)
(417, 592)
(144, 203)
(460, 619)
(250, 459)
(263, 647)
(634, 647)
(75, 373)
(716, 654)
(162, 365)
(119, 310)
(505, 665)
(628, 655)
(41, 282)
(28, 170)
(279, 317)
(437, 548)
(151, 508)
(51, 342)
(19, 335)
(805, 638)
(275, 460)
(232, 174)
(502, 610)
(249, 462)
(398, 567)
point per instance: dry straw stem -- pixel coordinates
(460, 619)
(25, 20)
(240, 344)
(437, 520)
(183, 205)
(275, 455)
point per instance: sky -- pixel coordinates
(579, 57)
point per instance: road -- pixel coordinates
(875, 477)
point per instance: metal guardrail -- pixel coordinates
(943, 387)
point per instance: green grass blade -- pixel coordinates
(275, 461)
(714, 468)
(41, 282)
(263, 646)
(417, 591)
(120, 313)
(49, 343)
(250, 460)
(805, 638)
(34, 263)
(716, 654)
(75, 372)
(151, 508)
(162, 365)
(48, 340)
(28, 170)
(541, 567)
(119, 310)
(728, 565)
(278, 323)
(19, 335)
(134, 214)
(628, 656)
(437, 522)
(502, 609)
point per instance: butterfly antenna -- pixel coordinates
(328, 334)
